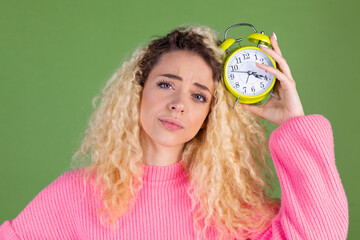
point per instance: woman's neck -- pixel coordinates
(159, 155)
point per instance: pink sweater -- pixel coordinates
(313, 201)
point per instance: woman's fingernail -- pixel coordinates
(262, 45)
(274, 36)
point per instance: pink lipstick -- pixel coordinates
(171, 124)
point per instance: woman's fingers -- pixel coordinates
(282, 77)
(274, 44)
(279, 59)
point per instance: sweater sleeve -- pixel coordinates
(49, 215)
(313, 200)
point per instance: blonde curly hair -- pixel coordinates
(226, 161)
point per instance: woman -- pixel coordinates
(171, 159)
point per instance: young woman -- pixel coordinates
(171, 159)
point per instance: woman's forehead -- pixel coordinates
(186, 66)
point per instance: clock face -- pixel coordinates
(244, 76)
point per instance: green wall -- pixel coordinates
(56, 55)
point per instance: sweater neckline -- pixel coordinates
(163, 173)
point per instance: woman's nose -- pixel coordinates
(177, 104)
(177, 107)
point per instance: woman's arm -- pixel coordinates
(313, 200)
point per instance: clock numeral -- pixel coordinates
(266, 78)
(234, 68)
(244, 88)
(262, 60)
(237, 85)
(238, 60)
(253, 89)
(232, 76)
(262, 85)
(246, 56)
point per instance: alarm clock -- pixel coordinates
(248, 83)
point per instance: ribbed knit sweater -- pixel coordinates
(313, 200)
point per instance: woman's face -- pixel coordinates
(176, 98)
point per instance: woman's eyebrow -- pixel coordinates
(172, 76)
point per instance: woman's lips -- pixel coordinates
(171, 124)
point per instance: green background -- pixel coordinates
(55, 56)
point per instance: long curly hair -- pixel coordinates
(226, 161)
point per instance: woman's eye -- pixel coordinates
(200, 98)
(164, 85)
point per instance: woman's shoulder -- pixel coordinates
(58, 206)
(67, 186)
(70, 177)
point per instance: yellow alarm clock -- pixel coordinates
(248, 83)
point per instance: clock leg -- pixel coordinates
(237, 100)
(273, 95)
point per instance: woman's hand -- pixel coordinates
(289, 104)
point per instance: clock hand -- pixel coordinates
(247, 78)
(243, 72)
(258, 75)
